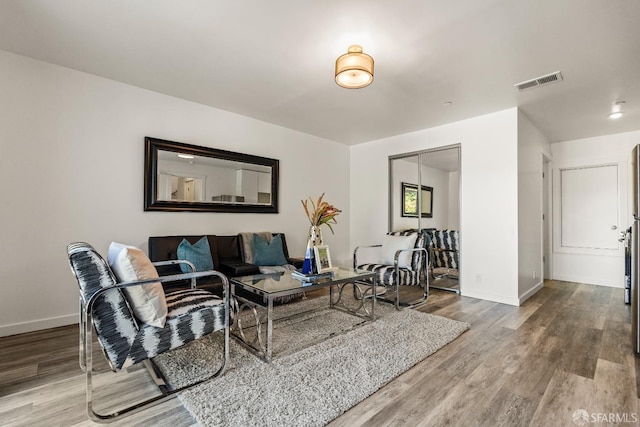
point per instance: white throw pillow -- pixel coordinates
(147, 301)
(391, 244)
(114, 250)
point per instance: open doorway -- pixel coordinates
(546, 219)
(424, 194)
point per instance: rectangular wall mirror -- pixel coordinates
(184, 177)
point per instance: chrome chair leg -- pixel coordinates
(82, 337)
(86, 326)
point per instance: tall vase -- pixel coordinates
(315, 239)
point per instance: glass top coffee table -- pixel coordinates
(260, 291)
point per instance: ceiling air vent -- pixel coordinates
(540, 81)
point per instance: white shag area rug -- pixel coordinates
(316, 383)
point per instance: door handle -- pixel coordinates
(614, 227)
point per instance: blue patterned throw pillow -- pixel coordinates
(268, 253)
(199, 254)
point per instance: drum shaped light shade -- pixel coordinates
(354, 69)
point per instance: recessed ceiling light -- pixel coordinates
(616, 110)
(186, 156)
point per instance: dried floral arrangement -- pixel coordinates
(320, 212)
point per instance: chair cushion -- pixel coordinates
(393, 243)
(268, 253)
(448, 243)
(147, 301)
(385, 274)
(199, 254)
(192, 313)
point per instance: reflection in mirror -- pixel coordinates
(437, 173)
(185, 177)
(205, 179)
(403, 171)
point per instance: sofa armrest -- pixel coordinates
(236, 269)
(176, 262)
(296, 262)
(189, 265)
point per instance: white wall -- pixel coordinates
(598, 269)
(71, 165)
(531, 147)
(489, 202)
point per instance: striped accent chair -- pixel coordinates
(393, 275)
(192, 313)
(444, 250)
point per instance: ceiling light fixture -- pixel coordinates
(616, 110)
(354, 69)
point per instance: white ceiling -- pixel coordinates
(274, 60)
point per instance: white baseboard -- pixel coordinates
(491, 297)
(37, 325)
(588, 281)
(531, 292)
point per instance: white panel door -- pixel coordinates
(589, 207)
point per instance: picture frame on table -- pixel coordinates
(322, 258)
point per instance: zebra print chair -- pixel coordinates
(444, 256)
(393, 275)
(191, 314)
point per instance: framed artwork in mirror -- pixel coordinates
(410, 200)
(185, 177)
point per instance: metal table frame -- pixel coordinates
(364, 283)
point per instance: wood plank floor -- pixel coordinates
(567, 348)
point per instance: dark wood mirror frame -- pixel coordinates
(152, 203)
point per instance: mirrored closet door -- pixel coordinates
(424, 194)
